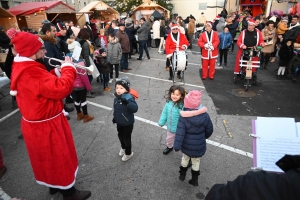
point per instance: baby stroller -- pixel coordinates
(249, 59)
(179, 63)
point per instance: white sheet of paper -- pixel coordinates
(272, 127)
(76, 53)
(269, 151)
(298, 128)
(87, 18)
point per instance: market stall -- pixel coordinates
(254, 7)
(32, 14)
(97, 11)
(7, 20)
(146, 10)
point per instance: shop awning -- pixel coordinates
(5, 13)
(98, 5)
(256, 4)
(32, 7)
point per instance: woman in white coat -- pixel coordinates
(156, 32)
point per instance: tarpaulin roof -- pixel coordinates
(31, 7)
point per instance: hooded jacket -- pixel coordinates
(192, 131)
(285, 54)
(129, 29)
(52, 51)
(220, 26)
(114, 52)
(156, 29)
(225, 40)
(143, 31)
(123, 114)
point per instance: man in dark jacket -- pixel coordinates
(262, 185)
(4, 42)
(129, 29)
(60, 36)
(49, 31)
(143, 38)
(125, 44)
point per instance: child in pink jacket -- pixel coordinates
(81, 87)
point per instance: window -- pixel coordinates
(84, 3)
(73, 2)
(4, 4)
(202, 6)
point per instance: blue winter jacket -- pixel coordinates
(170, 116)
(123, 114)
(192, 133)
(225, 40)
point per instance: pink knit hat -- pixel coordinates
(193, 99)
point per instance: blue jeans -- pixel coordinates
(143, 46)
(105, 80)
(124, 61)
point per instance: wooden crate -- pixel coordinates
(3, 57)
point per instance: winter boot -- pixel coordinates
(79, 116)
(79, 195)
(278, 77)
(87, 118)
(182, 173)
(194, 180)
(266, 66)
(53, 191)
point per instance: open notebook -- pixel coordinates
(273, 138)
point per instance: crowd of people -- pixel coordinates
(188, 124)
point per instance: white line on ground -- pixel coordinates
(217, 144)
(150, 77)
(8, 115)
(196, 64)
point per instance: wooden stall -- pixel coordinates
(7, 20)
(32, 14)
(97, 10)
(146, 10)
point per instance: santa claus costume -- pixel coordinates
(248, 39)
(174, 41)
(208, 42)
(47, 133)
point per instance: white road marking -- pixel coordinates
(8, 115)
(217, 144)
(150, 77)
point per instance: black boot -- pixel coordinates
(68, 109)
(53, 190)
(194, 180)
(266, 66)
(182, 173)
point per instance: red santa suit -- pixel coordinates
(209, 55)
(47, 133)
(171, 43)
(240, 44)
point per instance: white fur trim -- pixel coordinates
(174, 27)
(169, 55)
(18, 58)
(13, 92)
(67, 65)
(57, 72)
(185, 46)
(177, 42)
(241, 45)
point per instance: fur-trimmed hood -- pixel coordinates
(48, 39)
(192, 113)
(116, 40)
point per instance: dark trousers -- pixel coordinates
(112, 70)
(105, 80)
(191, 36)
(223, 52)
(79, 97)
(90, 78)
(124, 134)
(124, 61)
(66, 193)
(157, 41)
(143, 46)
(264, 58)
(149, 41)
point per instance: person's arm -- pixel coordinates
(86, 53)
(209, 128)
(163, 117)
(201, 41)
(216, 42)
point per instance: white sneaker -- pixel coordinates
(110, 80)
(117, 79)
(122, 152)
(127, 157)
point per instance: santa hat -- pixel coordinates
(209, 24)
(193, 99)
(60, 26)
(273, 18)
(26, 44)
(217, 17)
(251, 21)
(285, 19)
(174, 26)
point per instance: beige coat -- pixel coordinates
(202, 19)
(266, 33)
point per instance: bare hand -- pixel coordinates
(263, 45)
(68, 59)
(244, 47)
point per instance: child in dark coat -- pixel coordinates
(104, 67)
(124, 107)
(285, 54)
(193, 128)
